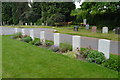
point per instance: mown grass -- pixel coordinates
(23, 60)
(0, 57)
(82, 32)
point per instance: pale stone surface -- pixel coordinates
(23, 32)
(32, 34)
(76, 43)
(87, 26)
(104, 47)
(16, 30)
(26, 24)
(42, 24)
(105, 30)
(42, 37)
(57, 39)
(31, 24)
(84, 21)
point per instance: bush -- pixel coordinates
(84, 52)
(65, 47)
(96, 57)
(32, 42)
(56, 18)
(17, 35)
(27, 39)
(36, 42)
(111, 64)
(70, 54)
(54, 48)
(48, 43)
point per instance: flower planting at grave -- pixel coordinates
(86, 54)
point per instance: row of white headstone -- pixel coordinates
(30, 24)
(103, 44)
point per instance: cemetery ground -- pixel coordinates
(23, 60)
(81, 32)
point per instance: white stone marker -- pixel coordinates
(57, 39)
(31, 24)
(23, 32)
(42, 37)
(105, 30)
(87, 26)
(104, 47)
(16, 30)
(42, 24)
(26, 24)
(76, 43)
(84, 21)
(32, 34)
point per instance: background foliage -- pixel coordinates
(99, 14)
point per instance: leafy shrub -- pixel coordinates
(111, 64)
(65, 47)
(27, 39)
(84, 52)
(70, 54)
(56, 18)
(17, 35)
(35, 42)
(96, 57)
(54, 48)
(32, 42)
(48, 43)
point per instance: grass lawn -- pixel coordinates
(0, 57)
(82, 32)
(22, 60)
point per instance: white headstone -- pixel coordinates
(42, 37)
(32, 34)
(31, 23)
(76, 43)
(104, 47)
(57, 39)
(42, 24)
(87, 26)
(23, 32)
(105, 30)
(16, 30)
(26, 24)
(84, 21)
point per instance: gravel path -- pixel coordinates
(64, 38)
